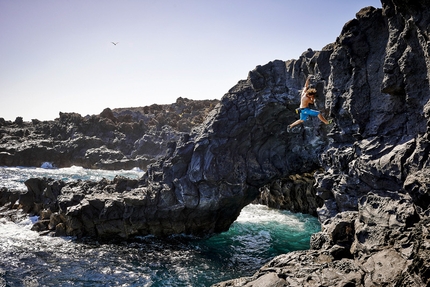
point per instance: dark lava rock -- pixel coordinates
(116, 139)
(375, 184)
(205, 179)
(296, 193)
(374, 82)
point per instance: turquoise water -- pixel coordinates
(259, 234)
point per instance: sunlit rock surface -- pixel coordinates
(374, 183)
(115, 139)
(206, 177)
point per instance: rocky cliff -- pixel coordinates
(376, 179)
(374, 182)
(206, 177)
(115, 139)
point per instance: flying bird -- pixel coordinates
(115, 43)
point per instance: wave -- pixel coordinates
(14, 177)
(253, 239)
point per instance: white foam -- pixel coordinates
(14, 177)
(261, 214)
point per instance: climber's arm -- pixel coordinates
(308, 80)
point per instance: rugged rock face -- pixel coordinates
(374, 81)
(205, 179)
(296, 193)
(384, 243)
(115, 139)
(375, 184)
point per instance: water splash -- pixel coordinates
(14, 177)
(259, 234)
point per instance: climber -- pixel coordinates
(307, 98)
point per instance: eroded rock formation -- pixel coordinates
(205, 179)
(375, 217)
(296, 193)
(116, 139)
(374, 82)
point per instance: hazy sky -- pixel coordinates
(57, 55)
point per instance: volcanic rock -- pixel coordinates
(375, 215)
(205, 179)
(374, 83)
(296, 193)
(116, 139)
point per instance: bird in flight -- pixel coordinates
(115, 43)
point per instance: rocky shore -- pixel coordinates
(370, 167)
(376, 179)
(121, 138)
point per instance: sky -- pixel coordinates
(57, 55)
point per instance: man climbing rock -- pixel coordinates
(307, 98)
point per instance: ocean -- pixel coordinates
(28, 259)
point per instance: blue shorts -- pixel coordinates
(306, 112)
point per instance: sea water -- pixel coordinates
(28, 259)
